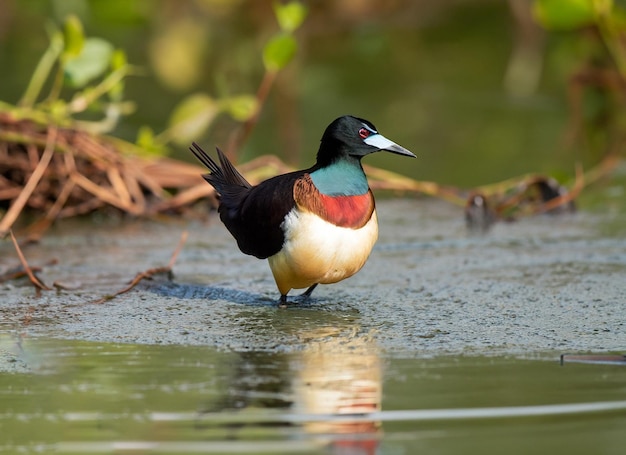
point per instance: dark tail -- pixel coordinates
(224, 177)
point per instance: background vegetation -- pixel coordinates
(480, 90)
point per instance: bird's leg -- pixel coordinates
(282, 303)
(309, 291)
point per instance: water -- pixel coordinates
(337, 395)
(444, 343)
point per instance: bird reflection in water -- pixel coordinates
(339, 376)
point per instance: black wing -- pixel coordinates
(252, 214)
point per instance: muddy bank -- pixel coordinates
(539, 285)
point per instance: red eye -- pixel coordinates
(363, 132)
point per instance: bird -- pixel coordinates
(314, 226)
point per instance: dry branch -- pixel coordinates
(20, 201)
(146, 274)
(29, 272)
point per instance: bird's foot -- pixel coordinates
(283, 303)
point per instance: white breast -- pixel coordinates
(316, 251)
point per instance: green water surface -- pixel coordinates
(82, 397)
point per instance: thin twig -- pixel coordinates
(148, 273)
(104, 194)
(186, 197)
(135, 191)
(31, 276)
(17, 206)
(179, 248)
(566, 198)
(36, 230)
(119, 185)
(17, 272)
(239, 137)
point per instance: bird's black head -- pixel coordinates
(350, 136)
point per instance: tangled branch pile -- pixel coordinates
(63, 172)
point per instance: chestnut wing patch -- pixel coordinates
(344, 211)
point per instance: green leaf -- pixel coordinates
(118, 61)
(569, 14)
(73, 36)
(148, 142)
(58, 109)
(290, 15)
(279, 51)
(91, 63)
(242, 107)
(145, 138)
(191, 118)
(43, 69)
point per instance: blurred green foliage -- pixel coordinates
(603, 16)
(95, 72)
(434, 76)
(596, 86)
(75, 61)
(571, 14)
(279, 51)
